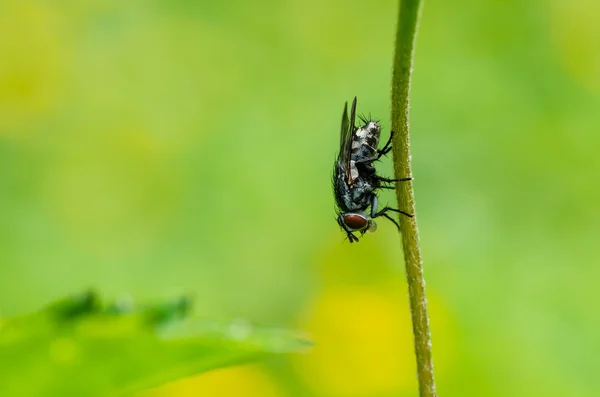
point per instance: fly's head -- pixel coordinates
(355, 222)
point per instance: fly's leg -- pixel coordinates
(374, 158)
(375, 213)
(388, 180)
(351, 237)
(383, 212)
(382, 179)
(387, 147)
(386, 209)
(393, 220)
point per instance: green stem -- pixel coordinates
(408, 17)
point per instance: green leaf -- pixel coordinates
(78, 347)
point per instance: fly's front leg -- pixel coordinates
(373, 201)
(386, 209)
(351, 237)
(375, 214)
(383, 212)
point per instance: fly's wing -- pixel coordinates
(346, 135)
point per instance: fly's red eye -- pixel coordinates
(355, 221)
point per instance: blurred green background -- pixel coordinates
(161, 147)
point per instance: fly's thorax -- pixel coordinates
(360, 194)
(352, 197)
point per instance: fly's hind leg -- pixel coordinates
(387, 147)
(383, 212)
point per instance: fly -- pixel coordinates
(355, 180)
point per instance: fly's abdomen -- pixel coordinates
(365, 141)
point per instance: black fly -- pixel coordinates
(355, 179)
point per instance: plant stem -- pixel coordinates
(408, 17)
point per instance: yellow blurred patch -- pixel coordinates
(31, 65)
(577, 34)
(363, 343)
(246, 381)
(361, 325)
